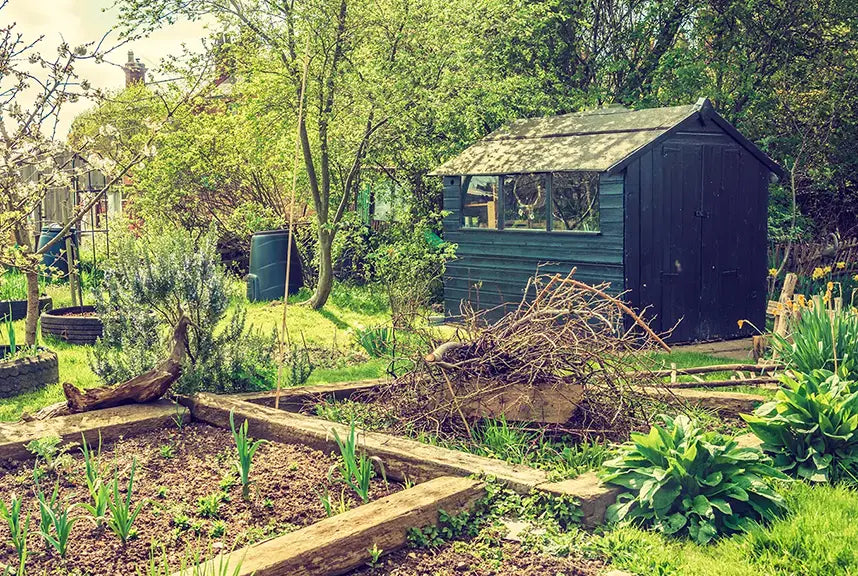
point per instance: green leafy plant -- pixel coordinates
(355, 469)
(10, 335)
(98, 491)
(821, 338)
(167, 451)
(374, 554)
(49, 450)
(811, 426)
(56, 522)
(246, 449)
(209, 506)
(122, 514)
(333, 507)
(18, 530)
(679, 479)
(376, 340)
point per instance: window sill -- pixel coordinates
(537, 232)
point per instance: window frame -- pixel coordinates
(501, 207)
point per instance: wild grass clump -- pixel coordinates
(679, 479)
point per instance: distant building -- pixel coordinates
(135, 71)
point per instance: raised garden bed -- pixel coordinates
(176, 470)
(75, 324)
(283, 527)
(18, 308)
(27, 373)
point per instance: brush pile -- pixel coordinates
(561, 357)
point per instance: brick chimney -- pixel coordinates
(135, 71)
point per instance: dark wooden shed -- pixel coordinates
(669, 205)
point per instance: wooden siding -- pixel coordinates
(492, 267)
(698, 188)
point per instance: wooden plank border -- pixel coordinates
(341, 543)
(111, 423)
(403, 458)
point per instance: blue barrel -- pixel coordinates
(55, 257)
(267, 275)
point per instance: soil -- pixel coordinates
(287, 482)
(466, 559)
(78, 314)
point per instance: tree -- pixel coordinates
(33, 91)
(365, 62)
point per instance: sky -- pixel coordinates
(81, 21)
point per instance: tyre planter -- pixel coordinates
(27, 374)
(75, 325)
(18, 308)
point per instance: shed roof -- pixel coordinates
(598, 140)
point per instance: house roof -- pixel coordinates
(600, 140)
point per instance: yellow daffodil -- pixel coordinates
(773, 272)
(818, 273)
(841, 265)
(740, 323)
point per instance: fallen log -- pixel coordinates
(146, 387)
(756, 368)
(763, 380)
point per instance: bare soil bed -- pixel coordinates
(466, 559)
(175, 469)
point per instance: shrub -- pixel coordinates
(148, 284)
(679, 479)
(811, 427)
(817, 335)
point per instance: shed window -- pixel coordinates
(575, 201)
(480, 202)
(525, 197)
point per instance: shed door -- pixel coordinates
(697, 204)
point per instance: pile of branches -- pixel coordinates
(564, 334)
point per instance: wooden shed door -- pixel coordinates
(698, 274)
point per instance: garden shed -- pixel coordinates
(669, 205)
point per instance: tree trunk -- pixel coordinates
(32, 320)
(326, 271)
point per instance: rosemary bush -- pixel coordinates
(149, 282)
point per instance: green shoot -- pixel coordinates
(374, 555)
(246, 449)
(356, 470)
(95, 484)
(61, 521)
(18, 530)
(122, 515)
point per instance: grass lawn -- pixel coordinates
(348, 309)
(817, 538)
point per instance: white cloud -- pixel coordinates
(81, 21)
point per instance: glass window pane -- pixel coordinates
(480, 202)
(575, 201)
(524, 201)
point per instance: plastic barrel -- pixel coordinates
(267, 275)
(55, 257)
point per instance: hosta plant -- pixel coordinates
(811, 427)
(682, 480)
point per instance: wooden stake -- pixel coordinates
(292, 218)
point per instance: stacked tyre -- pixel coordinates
(28, 373)
(17, 309)
(75, 325)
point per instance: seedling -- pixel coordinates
(61, 522)
(95, 484)
(374, 555)
(17, 529)
(246, 449)
(49, 451)
(179, 417)
(181, 521)
(218, 529)
(356, 470)
(332, 507)
(161, 492)
(166, 451)
(209, 506)
(45, 505)
(122, 515)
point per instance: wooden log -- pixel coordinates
(341, 543)
(782, 320)
(724, 383)
(144, 388)
(141, 389)
(757, 368)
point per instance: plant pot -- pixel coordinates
(29, 373)
(18, 308)
(75, 324)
